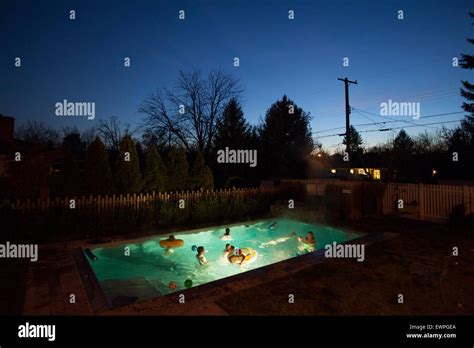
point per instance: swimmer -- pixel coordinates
(200, 255)
(309, 241)
(226, 235)
(169, 251)
(278, 240)
(241, 255)
(228, 248)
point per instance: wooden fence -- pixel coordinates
(427, 202)
(132, 201)
(433, 203)
(423, 202)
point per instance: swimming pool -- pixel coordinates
(144, 270)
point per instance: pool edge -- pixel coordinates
(223, 286)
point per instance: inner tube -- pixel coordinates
(250, 256)
(177, 243)
(89, 254)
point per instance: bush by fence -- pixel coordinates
(98, 216)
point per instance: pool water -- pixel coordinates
(149, 269)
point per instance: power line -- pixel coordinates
(414, 125)
(436, 94)
(380, 124)
(416, 97)
(392, 121)
(403, 121)
(387, 129)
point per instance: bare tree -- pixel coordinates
(38, 133)
(68, 130)
(189, 113)
(88, 135)
(429, 143)
(112, 131)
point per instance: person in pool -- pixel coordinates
(200, 255)
(309, 240)
(238, 253)
(226, 235)
(228, 249)
(169, 251)
(242, 256)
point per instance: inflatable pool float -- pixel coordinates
(250, 256)
(176, 243)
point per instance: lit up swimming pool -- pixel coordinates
(144, 270)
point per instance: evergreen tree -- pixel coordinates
(355, 141)
(467, 62)
(201, 174)
(285, 140)
(154, 171)
(403, 143)
(355, 146)
(72, 142)
(402, 155)
(141, 156)
(98, 175)
(177, 170)
(232, 129)
(128, 177)
(233, 132)
(70, 177)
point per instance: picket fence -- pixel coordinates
(433, 203)
(131, 201)
(427, 202)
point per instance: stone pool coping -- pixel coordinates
(209, 292)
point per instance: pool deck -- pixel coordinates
(402, 257)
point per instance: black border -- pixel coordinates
(195, 330)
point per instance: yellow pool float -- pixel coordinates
(250, 256)
(175, 243)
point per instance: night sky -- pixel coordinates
(82, 59)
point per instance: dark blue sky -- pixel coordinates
(82, 60)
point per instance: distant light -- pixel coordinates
(352, 171)
(333, 171)
(434, 172)
(319, 155)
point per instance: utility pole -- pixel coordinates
(347, 82)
